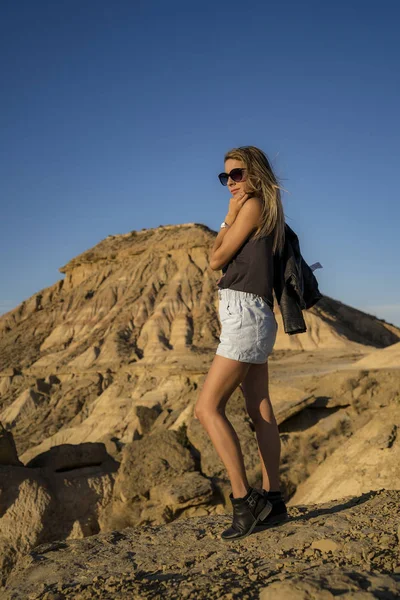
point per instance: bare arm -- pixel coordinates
(228, 242)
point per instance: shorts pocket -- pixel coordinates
(232, 316)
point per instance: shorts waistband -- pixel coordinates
(241, 294)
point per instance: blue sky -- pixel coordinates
(116, 116)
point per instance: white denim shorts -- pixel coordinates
(248, 326)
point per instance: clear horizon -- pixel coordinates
(117, 117)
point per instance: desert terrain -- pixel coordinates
(104, 468)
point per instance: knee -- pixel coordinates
(259, 410)
(261, 417)
(203, 413)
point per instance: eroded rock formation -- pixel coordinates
(99, 375)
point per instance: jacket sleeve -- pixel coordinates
(311, 293)
(285, 272)
(301, 276)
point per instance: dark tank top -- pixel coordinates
(251, 269)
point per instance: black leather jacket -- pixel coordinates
(295, 285)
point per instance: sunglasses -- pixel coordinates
(235, 174)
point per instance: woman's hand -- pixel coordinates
(235, 204)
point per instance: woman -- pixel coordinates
(253, 230)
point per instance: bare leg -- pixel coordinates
(258, 404)
(222, 379)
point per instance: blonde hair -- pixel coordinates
(263, 183)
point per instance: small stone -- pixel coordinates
(325, 545)
(386, 540)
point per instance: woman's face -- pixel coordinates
(235, 187)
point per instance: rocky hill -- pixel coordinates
(136, 318)
(146, 296)
(99, 375)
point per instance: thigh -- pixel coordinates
(223, 377)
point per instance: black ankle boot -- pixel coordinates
(247, 511)
(277, 515)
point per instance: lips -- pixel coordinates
(235, 190)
